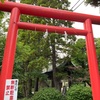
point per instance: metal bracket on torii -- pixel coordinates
(17, 9)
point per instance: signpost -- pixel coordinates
(11, 89)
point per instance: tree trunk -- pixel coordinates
(25, 92)
(29, 87)
(69, 79)
(36, 87)
(54, 82)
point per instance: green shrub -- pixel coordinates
(79, 92)
(26, 99)
(48, 94)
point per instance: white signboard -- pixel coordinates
(11, 89)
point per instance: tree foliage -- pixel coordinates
(48, 94)
(37, 52)
(2, 45)
(1, 18)
(97, 45)
(2, 1)
(79, 92)
(79, 56)
(79, 59)
(93, 2)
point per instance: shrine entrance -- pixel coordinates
(17, 9)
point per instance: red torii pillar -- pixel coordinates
(9, 53)
(16, 9)
(92, 61)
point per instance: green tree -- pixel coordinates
(2, 45)
(80, 73)
(4, 21)
(79, 59)
(2, 37)
(93, 2)
(27, 67)
(48, 94)
(1, 17)
(20, 69)
(44, 51)
(2, 0)
(79, 92)
(97, 44)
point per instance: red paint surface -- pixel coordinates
(56, 29)
(49, 12)
(92, 61)
(9, 53)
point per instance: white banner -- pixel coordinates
(11, 89)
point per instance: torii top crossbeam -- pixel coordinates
(49, 12)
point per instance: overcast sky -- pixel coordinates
(87, 10)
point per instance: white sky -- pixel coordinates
(87, 10)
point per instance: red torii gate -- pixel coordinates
(17, 9)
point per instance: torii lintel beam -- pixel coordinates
(56, 29)
(49, 12)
